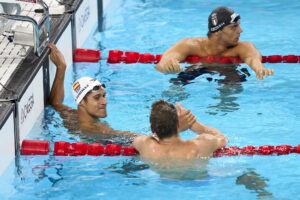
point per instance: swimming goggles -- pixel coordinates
(234, 18)
(98, 87)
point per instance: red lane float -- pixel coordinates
(61, 148)
(35, 147)
(117, 56)
(291, 59)
(262, 150)
(80, 149)
(87, 55)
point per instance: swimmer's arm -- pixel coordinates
(127, 133)
(105, 129)
(212, 142)
(110, 131)
(200, 128)
(169, 62)
(204, 129)
(190, 122)
(252, 57)
(57, 91)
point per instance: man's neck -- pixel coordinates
(215, 47)
(171, 140)
(84, 117)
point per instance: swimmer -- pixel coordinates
(89, 95)
(222, 40)
(165, 143)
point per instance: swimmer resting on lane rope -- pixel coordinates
(223, 40)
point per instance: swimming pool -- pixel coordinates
(252, 112)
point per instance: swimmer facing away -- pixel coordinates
(222, 40)
(165, 143)
(169, 155)
(89, 95)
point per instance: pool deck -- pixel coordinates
(10, 54)
(16, 71)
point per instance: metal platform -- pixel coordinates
(11, 54)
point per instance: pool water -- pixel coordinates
(250, 112)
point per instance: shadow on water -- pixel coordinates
(128, 167)
(178, 169)
(54, 177)
(228, 77)
(253, 181)
(47, 170)
(104, 139)
(171, 171)
(175, 93)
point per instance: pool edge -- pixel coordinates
(18, 116)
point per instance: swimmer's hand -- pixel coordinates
(252, 57)
(185, 117)
(168, 66)
(57, 57)
(261, 72)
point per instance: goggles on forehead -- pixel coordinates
(97, 88)
(234, 18)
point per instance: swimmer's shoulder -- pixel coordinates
(142, 142)
(195, 40)
(192, 41)
(244, 45)
(192, 45)
(205, 145)
(68, 113)
(241, 48)
(148, 139)
(199, 39)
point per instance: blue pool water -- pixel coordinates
(249, 113)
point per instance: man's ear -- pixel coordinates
(217, 33)
(82, 103)
(154, 134)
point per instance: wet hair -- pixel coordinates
(163, 119)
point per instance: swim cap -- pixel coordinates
(221, 17)
(82, 86)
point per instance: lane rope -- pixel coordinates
(128, 57)
(62, 148)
